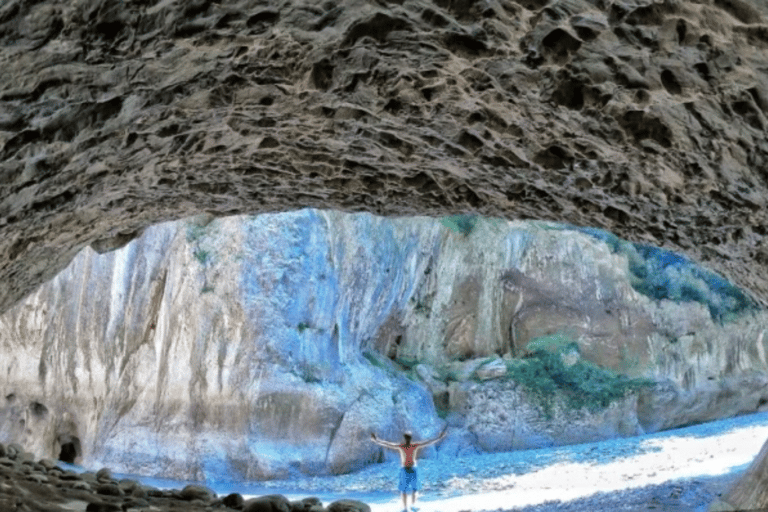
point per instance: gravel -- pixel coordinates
(677, 470)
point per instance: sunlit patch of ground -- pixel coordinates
(715, 451)
(673, 456)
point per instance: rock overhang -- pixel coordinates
(647, 120)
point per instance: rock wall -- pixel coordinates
(254, 347)
(645, 118)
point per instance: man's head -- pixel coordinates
(407, 436)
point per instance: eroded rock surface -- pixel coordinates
(43, 486)
(644, 118)
(257, 347)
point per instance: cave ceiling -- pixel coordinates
(645, 118)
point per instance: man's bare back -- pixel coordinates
(408, 451)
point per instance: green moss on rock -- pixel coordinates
(582, 384)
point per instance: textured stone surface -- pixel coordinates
(254, 347)
(36, 488)
(503, 417)
(644, 118)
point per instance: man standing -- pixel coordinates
(409, 476)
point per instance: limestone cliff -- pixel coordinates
(252, 347)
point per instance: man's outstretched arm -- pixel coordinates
(436, 439)
(383, 443)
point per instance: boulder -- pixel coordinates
(70, 476)
(13, 451)
(197, 492)
(233, 500)
(37, 477)
(458, 443)
(79, 485)
(109, 489)
(152, 492)
(128, 485)
(269, 503)
(48, 464)
(103, 507)
(348, 506)
(492, 370)
(135, 503)
(306, 504)
(104, 475)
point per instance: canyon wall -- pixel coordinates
(256, 347)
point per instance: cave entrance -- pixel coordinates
(70, 449)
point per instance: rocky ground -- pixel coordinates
(681, 470)
(41, 486)
(30, 486)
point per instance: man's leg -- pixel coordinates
(413, 498)
(405, 500)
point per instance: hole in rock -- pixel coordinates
(642, 96)
(70, 449)
(559, 44)
(109, 29)
(748, 113)
(670, 83)
(393, 106)
(39, 409)
(569, 94)
(322, 74)
(703, 70)
(263, 17)
(434, 18)
(465, 44)
(682, 30)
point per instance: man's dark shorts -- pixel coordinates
(409, 478)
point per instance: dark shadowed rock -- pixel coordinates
(48, 464)
(152, 492)
(269, 503)
(104, 475)
(348, 506)
(306, 504)
(103, 507)
(233, 500)
(138, 492)
(128, 486)
(197, 492)
(648, 121)
(13, 451)
(135, 503)
(70, 476)
(109, 490)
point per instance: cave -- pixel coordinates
(68, 453)
(99, 142)
(70, 449)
